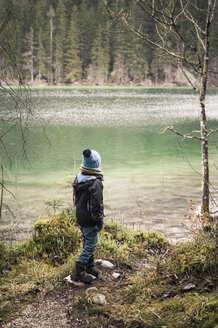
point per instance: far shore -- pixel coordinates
(84, 86)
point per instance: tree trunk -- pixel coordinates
(51, 15)
(2, 190)
(51, 50)
(32, 55)
(203, 120)
(204, 153)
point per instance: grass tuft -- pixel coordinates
(154, 297)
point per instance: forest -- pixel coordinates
(64, 42)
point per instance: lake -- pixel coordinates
(149, 178)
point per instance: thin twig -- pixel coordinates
(185, 136)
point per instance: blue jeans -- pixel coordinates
(90, 240)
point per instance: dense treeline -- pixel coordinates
(65, 42)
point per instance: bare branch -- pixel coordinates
(157, 12)
(189, 16)
(187, 77)
(186, 160)
(212, 131)
(6, 18)
(8, 209)
(6, 189)
(213, 11)
(123, 17)
(185, 136)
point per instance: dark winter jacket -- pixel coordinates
(88, 198)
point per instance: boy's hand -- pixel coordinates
(99, 226)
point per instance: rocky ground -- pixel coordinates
(56, 308)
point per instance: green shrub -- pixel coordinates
(158, 298)
(136, 240)
(193, 259)
(53, 239)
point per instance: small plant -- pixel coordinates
(67, 183)
(55, 204)
(197, 222)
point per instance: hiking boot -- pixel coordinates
(80, 274)
(90, 267)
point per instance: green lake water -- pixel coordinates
(149, 178)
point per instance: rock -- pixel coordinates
(116, 275)
(196, 319)
(98, 261)
(188, 287)
(209, 285)
(99, 299)
(166, 295)
(105, 263)
(91, 290)
(106, 315)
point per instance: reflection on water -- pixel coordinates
(147, 178)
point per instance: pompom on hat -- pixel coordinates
(91, 160)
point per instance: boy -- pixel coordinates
(88, 195)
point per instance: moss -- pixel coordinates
(158, 298)
(22, 283)
(192, 260)
(33, 266)
(134, 240)
(53, 239)
(152, 298)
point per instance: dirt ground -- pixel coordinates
(56, 310)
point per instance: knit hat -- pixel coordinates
(91, 160)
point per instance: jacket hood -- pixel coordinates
(79, 186)
(82, 185)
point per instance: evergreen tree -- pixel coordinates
(60, 43)
(100, 55)
(87, 31)
(42, 56)
(120, 48)
(73, 61)
(73, 41)
(28, 55)
(136, 61)
(41, 29)
(51, 14)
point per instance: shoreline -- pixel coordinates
(108, 86)
(159, 284)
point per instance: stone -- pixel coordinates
(188, 287)
(166, 295)
(116, 275)
(98, 261)
(91, 290)
(99, 299)
(107, 264)
(209, 285)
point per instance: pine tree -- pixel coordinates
(28, 55)
(41, 28)
(87, 31)
(60, 43)
(42, 57)
(101, 54)
(51, 14)
(69, 49)
(120, 48)
(136, 52)
(73, 61)
(136, 60)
